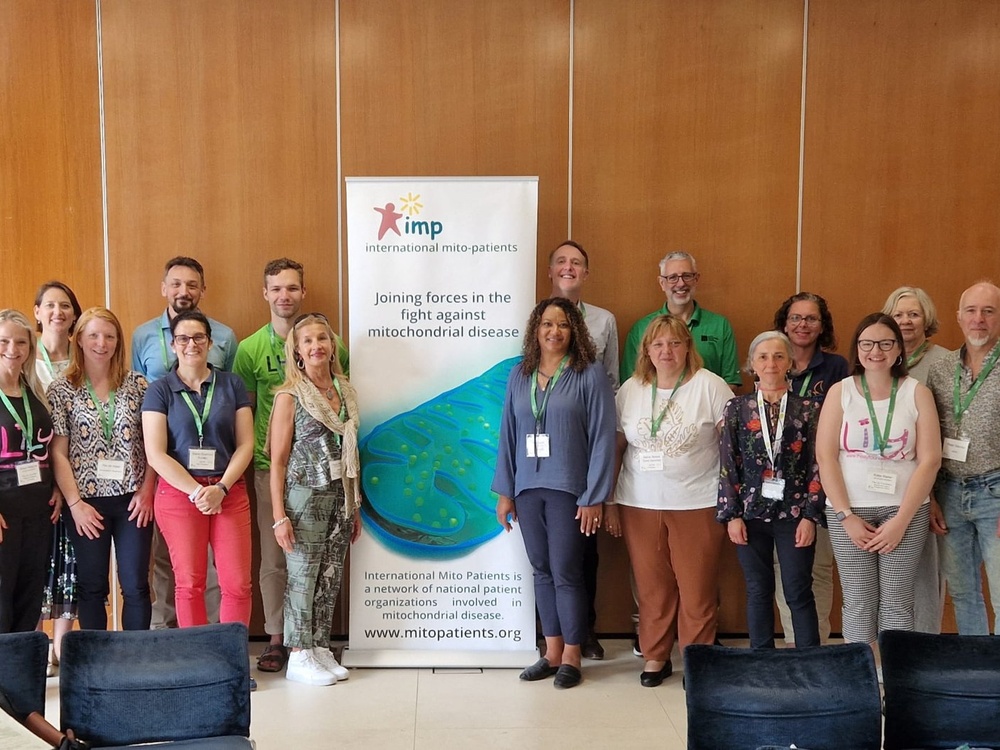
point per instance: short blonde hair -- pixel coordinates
(931, 323)
(645, 371)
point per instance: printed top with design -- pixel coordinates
(33, 498)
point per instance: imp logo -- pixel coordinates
(411, 205)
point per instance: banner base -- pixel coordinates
(382, 658)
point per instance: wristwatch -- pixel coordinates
(842, 514)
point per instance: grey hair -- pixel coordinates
(679, 255)
(759, 339)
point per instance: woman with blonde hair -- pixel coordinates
(667, 469)
(315, 492)
(101, 469)
(29, 500)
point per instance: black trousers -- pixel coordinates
(24, 563)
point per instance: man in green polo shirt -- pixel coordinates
(260, 362)
(712, 333)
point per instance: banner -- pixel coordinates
(441, 276)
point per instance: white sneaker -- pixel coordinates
(325, 657)
(304, 667)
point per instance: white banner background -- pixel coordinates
(438, 300)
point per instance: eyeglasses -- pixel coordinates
(809, 320)
(305, 316)
(866, 345)
(675, 277)
(199, 338)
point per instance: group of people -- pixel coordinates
(868, 460)
(153, 457)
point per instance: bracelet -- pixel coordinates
(70, 505)
(278, 523)
(221, 486)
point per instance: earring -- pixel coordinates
(899, 360)
(299, 363)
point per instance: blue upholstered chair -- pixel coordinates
(23, 658)
(820, 698)
(190, 686)
(941, 691)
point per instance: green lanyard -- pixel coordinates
(583, 310)
(656, 420)
(343, 407)
(881, 439)
(45, 356)
(961, 405)
(201, 419)
(167, 362)
(107, 417)
(917, 354)
(276, 350)
(539, 412)
(804, 388)
(27, 424)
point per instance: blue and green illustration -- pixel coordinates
(426, 473)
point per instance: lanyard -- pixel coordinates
(27, 424)
(655, 420)
(167, 362)
(107, 417)
(804, 388)
(881, 440)
(539, 412)
(201, 419)
(278, 350)
(961, 405)
(45, 356)
(917, 354)
(773, 445)
(583, 310)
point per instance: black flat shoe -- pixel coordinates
(567, 676)
(540, 670)
(653, 679)
(592, 648)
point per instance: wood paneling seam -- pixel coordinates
(802, 147)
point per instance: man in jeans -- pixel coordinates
(966, 387)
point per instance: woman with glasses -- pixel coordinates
(315, 492)
(198, 430)
(914, 312)
(806, 320)
(879, 450)
(667, 484)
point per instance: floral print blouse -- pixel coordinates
(744, 463)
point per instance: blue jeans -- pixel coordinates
(93, 558)
(757, 560)
(972, 511)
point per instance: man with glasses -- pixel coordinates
(712, 333)
(260, 362)
(966, 388)
(183, 286)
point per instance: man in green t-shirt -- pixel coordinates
(260, 362)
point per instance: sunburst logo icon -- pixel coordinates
(411, 204)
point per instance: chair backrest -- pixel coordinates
(23, 658)
(121, 688)
(941, 691)
(823, 698)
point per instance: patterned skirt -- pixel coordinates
(60, 588)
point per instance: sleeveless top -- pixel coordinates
(314, 446)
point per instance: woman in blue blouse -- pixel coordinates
(554, 471)
(769, 492)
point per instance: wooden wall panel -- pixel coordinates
(51, 223)
(460, 88)
(902, 177)
(685, 137)
(221, 133)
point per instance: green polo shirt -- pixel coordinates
(713, 338)
(260, 362)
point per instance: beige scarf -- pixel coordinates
(316, 405)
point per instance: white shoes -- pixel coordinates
(326, 658)
(304, 667)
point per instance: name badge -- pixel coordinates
(336, 470)
(773, 489)
(201, 458)
(883, 482)
(537, 445)
(650, 460)
(28, 472)
(957, 449)
(111, 469)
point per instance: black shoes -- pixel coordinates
(592, 648)
(567, 676)
(540, 670)
(636, 651)
(653, 679)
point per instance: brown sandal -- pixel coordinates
(273, 659)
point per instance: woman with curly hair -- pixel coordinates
(553, 474)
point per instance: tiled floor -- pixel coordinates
(391, 709)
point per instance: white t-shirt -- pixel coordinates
(688, 439)
(859, 457)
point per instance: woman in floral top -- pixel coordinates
(769, 491)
